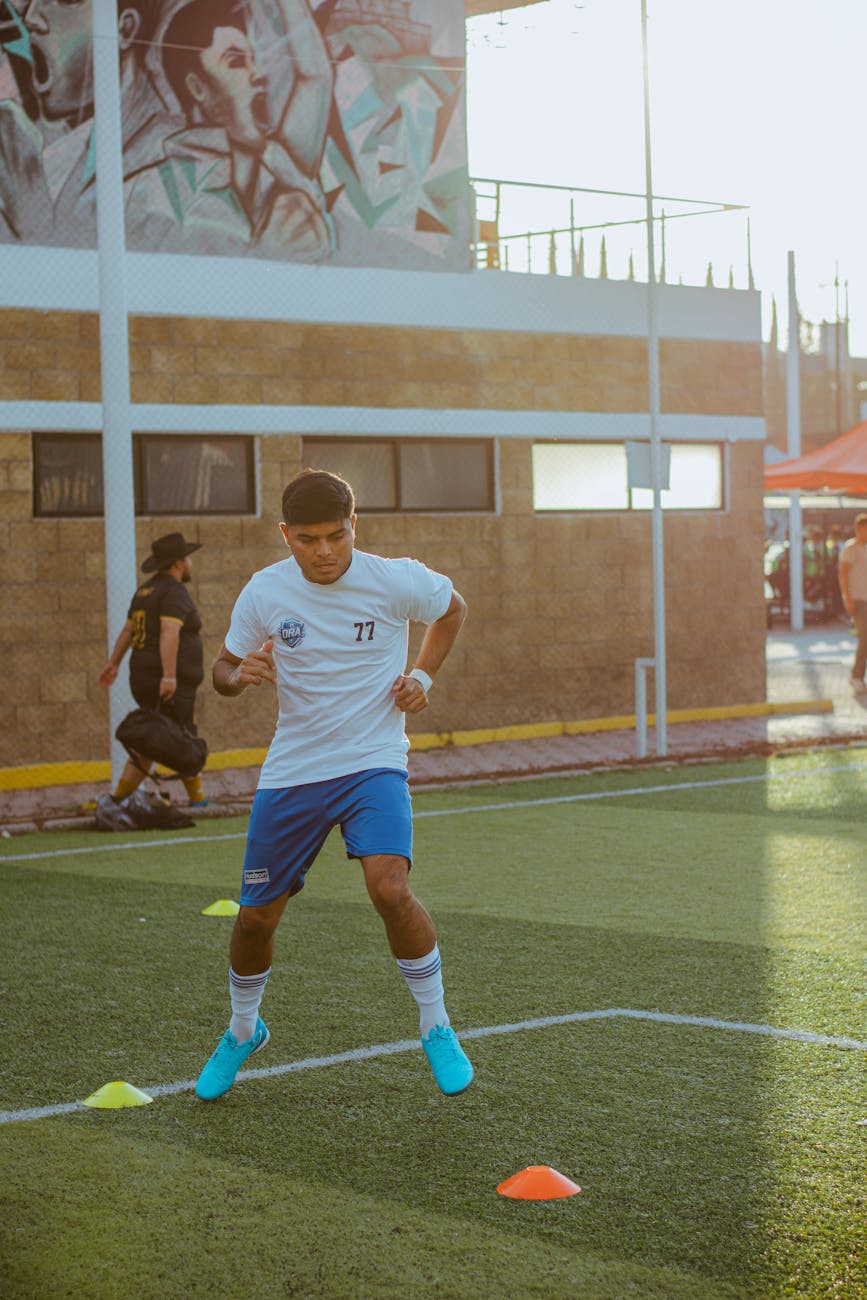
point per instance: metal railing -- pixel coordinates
(566, 230)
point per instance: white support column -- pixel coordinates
(655, 445)
(793, 447)
(120, 557)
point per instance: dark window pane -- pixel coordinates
(368, 467)
(67, 474)
(189, 475)
(445, 476)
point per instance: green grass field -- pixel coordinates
(714, 1161)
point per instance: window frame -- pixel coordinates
(719, 444)
(396, 443)
(143, 509)
(140, 441)
(38, 440)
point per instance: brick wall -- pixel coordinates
(55, 356)
(560, 606)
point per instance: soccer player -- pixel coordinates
(329, 627)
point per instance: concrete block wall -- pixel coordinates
(54, 356)
(560, 605)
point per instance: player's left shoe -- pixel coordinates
(448, 1060)
(221, 1070)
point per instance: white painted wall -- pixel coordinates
(63, 279)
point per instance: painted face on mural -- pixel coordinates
(60, 41)
(230, 91)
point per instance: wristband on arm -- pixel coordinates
(424, 679)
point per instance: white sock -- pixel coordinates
(424, 978)
(245, 992)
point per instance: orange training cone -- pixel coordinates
(538, 1183)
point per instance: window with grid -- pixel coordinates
(67, 475)
(191, 475)
(593, 476)
(410, 474)
(187, 474)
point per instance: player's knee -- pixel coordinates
(389, 889)
(258, 923)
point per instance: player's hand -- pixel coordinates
(409, 694)
(108, 674)
(168, 686)
(257, 668)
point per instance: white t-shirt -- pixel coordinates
(338, 648)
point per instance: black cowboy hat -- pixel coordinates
(165, 550)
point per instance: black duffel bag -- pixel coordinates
(156, 735)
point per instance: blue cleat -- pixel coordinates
(448, 1060)
(220, 1071)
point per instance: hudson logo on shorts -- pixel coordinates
(292, 632)
(258, 877)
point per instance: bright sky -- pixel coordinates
(759, 102)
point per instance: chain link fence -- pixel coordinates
(301, 286)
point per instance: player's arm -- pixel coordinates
(108, 672)
(170, 639)
(409, 693)
(844, 575)
(232, 675)
(304, 119)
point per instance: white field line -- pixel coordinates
(171, 841)
(378, 1050)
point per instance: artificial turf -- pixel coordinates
(713, 1162)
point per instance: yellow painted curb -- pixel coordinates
(37, 775)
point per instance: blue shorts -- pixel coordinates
(288, 828)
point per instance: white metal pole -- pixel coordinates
(120, 558)
(793, 447)
(653, 403)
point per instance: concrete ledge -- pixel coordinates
(37, 776)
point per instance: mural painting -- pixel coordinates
(330, 132)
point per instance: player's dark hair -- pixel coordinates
(315, 496)
(191, 31)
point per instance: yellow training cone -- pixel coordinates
(222, 907)
(111, 1096)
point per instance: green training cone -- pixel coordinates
(222, 907)
(111, 1096)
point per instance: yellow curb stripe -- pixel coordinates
(36, 775)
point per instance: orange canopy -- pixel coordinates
(840, 466)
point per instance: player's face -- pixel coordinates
(233, 89)
(61, 45)
(323, 551)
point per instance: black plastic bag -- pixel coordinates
(150, 812)
(139, 811)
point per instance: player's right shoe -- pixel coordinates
(448, 1060)
(220, 1072)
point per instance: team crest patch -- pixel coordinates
(292, 632)
(257, 877)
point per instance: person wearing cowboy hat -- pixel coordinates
(163, 627)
